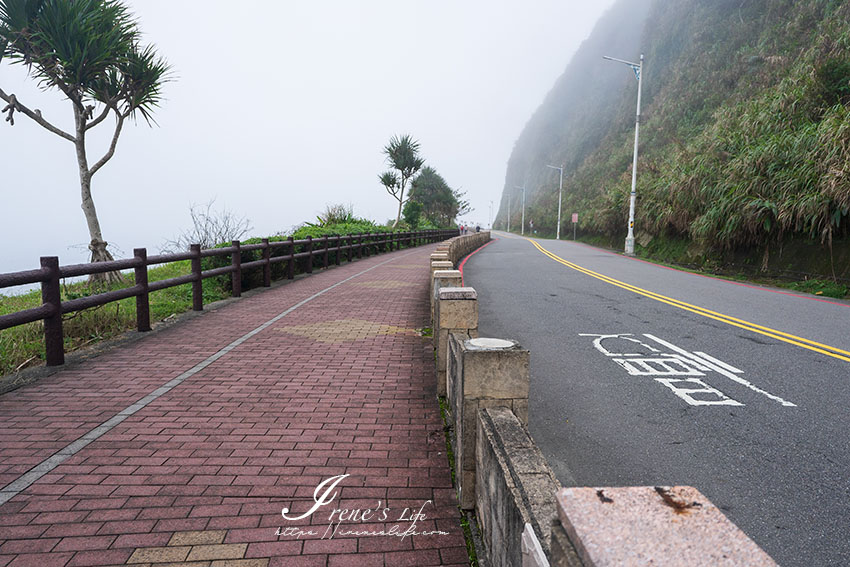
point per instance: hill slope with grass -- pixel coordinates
(745, 135)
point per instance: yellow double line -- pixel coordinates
(740, 323)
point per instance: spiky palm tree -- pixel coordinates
(88, 50)
(403, 156)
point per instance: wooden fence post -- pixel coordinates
(309, 254)
(338, 249)
(290, 265)
(143, 310)
(54, 348)
(236, 276)
(198, 282)
(267, 266)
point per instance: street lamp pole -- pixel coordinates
(630, 238)
(560, 190)
(509, 213)
(522, 228)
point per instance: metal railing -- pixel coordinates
(316, 250)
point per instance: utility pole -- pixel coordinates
(630, 238)
(522, 228)
(560, 190)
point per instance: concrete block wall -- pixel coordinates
(459, 246)
(484, 373)
(513, 491)
(456, 311)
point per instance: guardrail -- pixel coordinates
(312, 251)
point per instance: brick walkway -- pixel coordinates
(199, 475)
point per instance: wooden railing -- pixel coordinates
(316, 250)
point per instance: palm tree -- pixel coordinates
(403, 156)
(89, 50)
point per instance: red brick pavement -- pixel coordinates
(343, 384)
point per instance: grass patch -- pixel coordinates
(23, 346)
(825, 288)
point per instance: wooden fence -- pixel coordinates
(316, 250)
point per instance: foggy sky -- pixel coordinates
(277, 109)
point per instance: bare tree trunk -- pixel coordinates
(398, 216)
(400, 203)
(98, 245)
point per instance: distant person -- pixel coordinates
(477, 228)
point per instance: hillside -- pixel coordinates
(745, 133)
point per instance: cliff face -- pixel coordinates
(745, 133)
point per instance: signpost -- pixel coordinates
(575, 222)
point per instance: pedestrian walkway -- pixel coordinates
(295, 427)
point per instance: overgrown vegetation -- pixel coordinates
(745, 137)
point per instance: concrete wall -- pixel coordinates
(513, 489)
(459, 246)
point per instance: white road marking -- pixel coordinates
(720, 370)
(687, 394)
(597, 343)
(718, 362)
(675, 362)
(668, 366)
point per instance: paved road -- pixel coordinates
(643, 375)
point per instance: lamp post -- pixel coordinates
(522, 228)
(638, 69)
(560, 190)
(509, 213)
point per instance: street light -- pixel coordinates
(522, 228)
(638, 69)
(560, 190)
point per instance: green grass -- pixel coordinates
(825, 288)
(23, 346)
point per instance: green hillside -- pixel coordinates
(745, 134)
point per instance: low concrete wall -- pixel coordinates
(460, 246)
(513, 491)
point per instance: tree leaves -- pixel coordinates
(88, 49)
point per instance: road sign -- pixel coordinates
(575, 218)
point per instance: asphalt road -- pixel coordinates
(740, 391)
